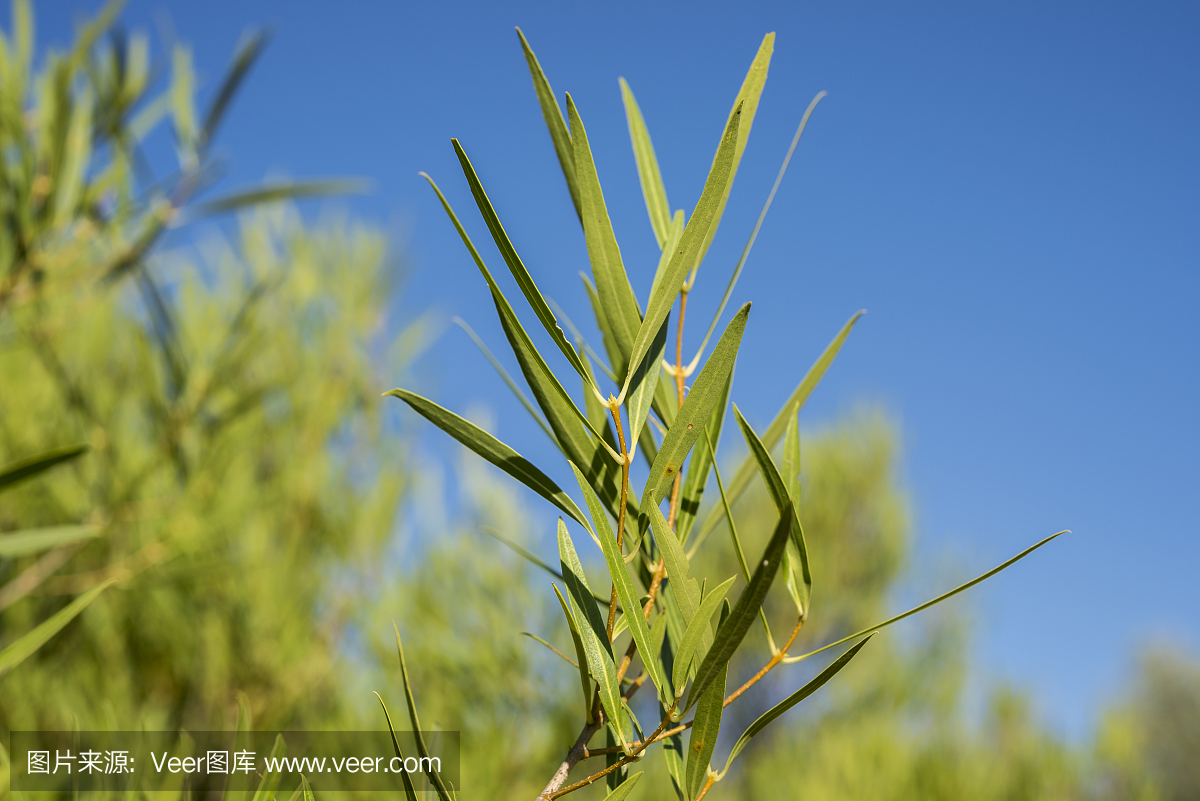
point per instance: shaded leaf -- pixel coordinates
(783, 706)
(270, 780)
(19, 471)
(247, 53)
(596, 648)
(27, 644)
(706, 726)
(422, 749)
(410, 792)
(580, 655)
(623, 584)
(491, 449)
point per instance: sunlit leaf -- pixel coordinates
(625, 788)
(33, 540)
(746, 471)
(422, 749)
(612, 283)
(647, 164)
(691, 637)
(27, 644)
(270, 780)
(491, 449)
(746, 103)
(795, 564)
(696, 478)
(554, 121)
(410, 792)
(684, 255)
(580, 656)
(706, 392)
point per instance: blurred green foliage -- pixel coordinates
(240, 490)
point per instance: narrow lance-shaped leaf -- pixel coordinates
(762, 215)
(623, 584)
(706, 725)
(27, 644)
(593, 636)
(647, 164)
(243, 60)
(434, 778)
(275, 192)
(522, 345)
(691, 638)
(932, 602)
(687, 590)
(645, 383)
(551, 648)
(674, 232)
(783, 502)
(694, 482)
(16, 472)
(747, 101)
(580, 655)
(745, 472)
(559, 134)
(612, 283)
(730, 635)
(270, 780)
(692, 416)
(497, 535)
(795, 565)
(517, 267)
(410, 792)
(625, 788)
(688, 249)
(783, 706)
(33, 540)
(493, 450)
(499, 368)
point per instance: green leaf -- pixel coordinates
(596, 648)
(491, 449)
(691, 637)
(434, 778)
(729, 636)
(410, 792)
(69, 181)
(183, 105)
(33, 540)
(554, 121)
(499, 368)
(684, 256)
(524, 280)
(741, 479)
(270, 781)
(307, 789)
(496, 534)
(275, 192)
(783, 706)
(616, 295)
(647, 164)
(694, 482)
(624, 789)
(933, 602)
(674, 232)
(694, 414)
(580, 655)
(645, 383)
(247, 53)
(557, 652)
(19, 471)
(747, 102)
(737, 271)
(795, 564)
(783, 503)
(607, 337)
(623, 584)
(687, 590)
(706, 726)
(542, 382)
(26, 645)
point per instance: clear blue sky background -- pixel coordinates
(1010, 189)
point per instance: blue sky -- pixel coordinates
(1010, 190)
